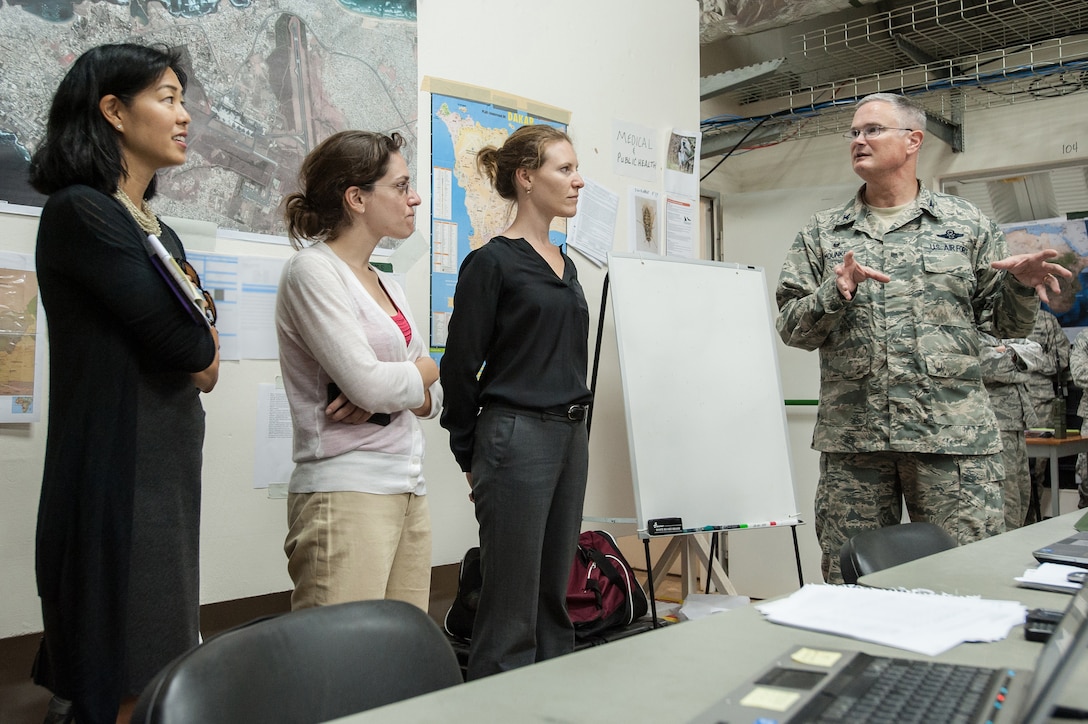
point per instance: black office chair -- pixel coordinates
(306, 666)
(875, 550)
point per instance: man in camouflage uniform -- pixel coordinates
(1051, 337)
(893, 289)
(1005, 371)
(1078, 367)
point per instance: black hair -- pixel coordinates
(80, 146)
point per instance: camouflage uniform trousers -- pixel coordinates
(1082, 476)
(863, 491)
(1017, 485)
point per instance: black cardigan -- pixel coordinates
(110, 316)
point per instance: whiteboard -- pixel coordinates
(706, 422)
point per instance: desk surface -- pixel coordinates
(676, 672)
(985, 568)
(669, 675)
(1055, 441)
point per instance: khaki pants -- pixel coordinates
(347, 546)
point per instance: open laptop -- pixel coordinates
(814, 685)
(1072, 551)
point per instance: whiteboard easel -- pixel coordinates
(695, 556)
(703, 401)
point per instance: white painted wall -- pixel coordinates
(632, 60)
(602, 61)
(770, 193)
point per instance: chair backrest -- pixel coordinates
(311, 665)
(875, 550)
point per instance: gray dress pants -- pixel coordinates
(529, 480)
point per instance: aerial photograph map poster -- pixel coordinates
(1070, 238)
(269, 80)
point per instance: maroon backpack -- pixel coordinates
(602, 592)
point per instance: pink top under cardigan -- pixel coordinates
(330, 329)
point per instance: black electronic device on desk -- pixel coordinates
(1041, 623)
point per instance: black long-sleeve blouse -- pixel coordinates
(529, 330)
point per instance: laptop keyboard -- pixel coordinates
(882, 689)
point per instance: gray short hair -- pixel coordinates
(910, 114)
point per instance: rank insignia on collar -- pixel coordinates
(949, 234)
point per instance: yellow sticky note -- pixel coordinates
(815, 657)
(774, 699)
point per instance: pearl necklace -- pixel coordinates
(144, 216)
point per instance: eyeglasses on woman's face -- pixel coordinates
(402, 187)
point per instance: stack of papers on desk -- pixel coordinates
(920, 621)
(1050, 577)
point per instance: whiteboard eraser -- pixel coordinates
(665, 526)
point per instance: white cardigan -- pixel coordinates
(330, 329)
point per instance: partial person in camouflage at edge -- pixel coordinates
(1048, 333)
(903, 411)
(1051, 337)
(1078, 367)
(1006, 366)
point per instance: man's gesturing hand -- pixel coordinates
(1033, 270)
(850, 274)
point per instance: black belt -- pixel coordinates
(577, 413)
(573, 413)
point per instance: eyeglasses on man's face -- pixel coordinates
(869, 132)
(402, 187)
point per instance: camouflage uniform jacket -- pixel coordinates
(1051, 337)
(1078, 366)
(899, 364)
(1005, 375)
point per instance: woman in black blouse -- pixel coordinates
(118, 522)
(520, 313)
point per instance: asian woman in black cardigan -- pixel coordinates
(118, 520)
